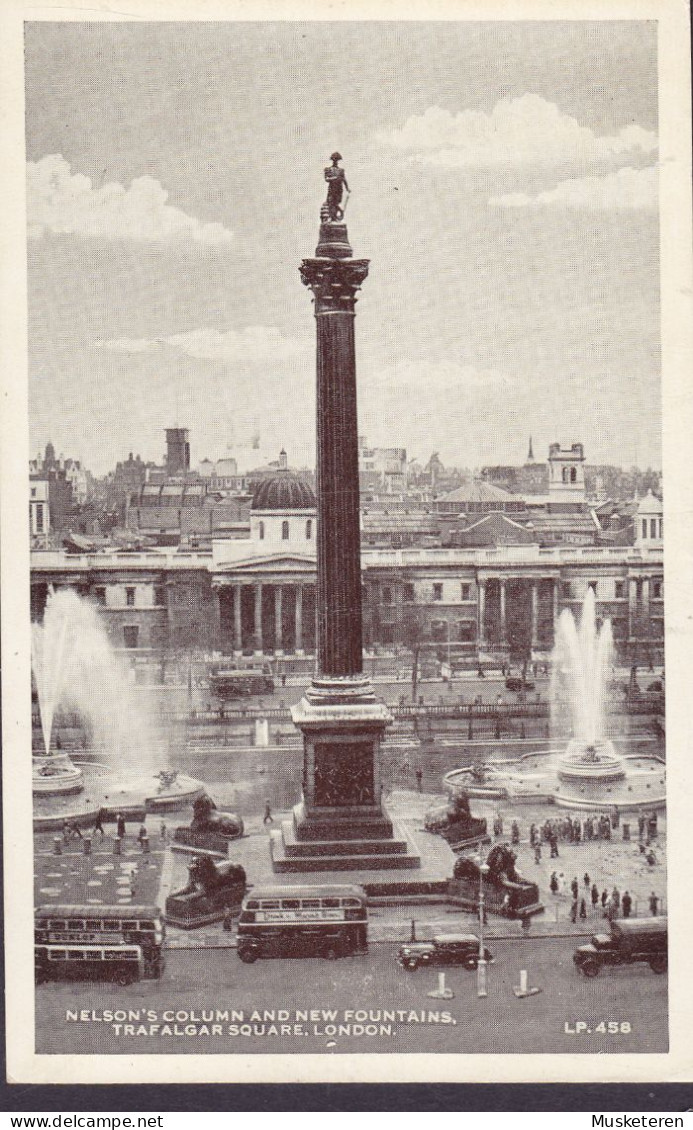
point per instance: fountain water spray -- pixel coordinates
(75, 667)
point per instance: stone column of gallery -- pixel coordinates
(341, 721)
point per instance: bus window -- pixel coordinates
(129, 924)
(291, 904)
(92, 955)
(253, 904)
(330, 902)
(311, 904)
(93, 923)
(75, 955)
(75, 924)
(350, 902)
(270, 904)
(56, 924)
(145, 924)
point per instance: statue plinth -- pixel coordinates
(333, 241)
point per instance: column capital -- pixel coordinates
(334, 282)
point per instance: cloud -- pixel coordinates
(626, 190)
(520, 131)
(58, 201)
(260, 344)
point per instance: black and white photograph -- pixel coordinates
(343, 647)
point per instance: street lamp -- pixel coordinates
(481, 969)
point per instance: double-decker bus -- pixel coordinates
(109, 943)
(242, 682)
(303, 921)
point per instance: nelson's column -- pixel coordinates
(339, 823)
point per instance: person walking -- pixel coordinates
(626, 905)
(574, 911)
(595, 896)
(574, 887)
(605, 898)
(653, 902)
(537, 853)
(98, 822)
(142, 834)
(586, 879)
(553, 883)
(268, 818)
(583, 909)
(120, 826)
(616, 899)
(515, 833)
(419, 779)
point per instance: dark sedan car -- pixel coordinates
(517, 683)
(444, 949)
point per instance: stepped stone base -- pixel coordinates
(361, 841)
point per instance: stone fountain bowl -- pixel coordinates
(590, 761)
(55, 775)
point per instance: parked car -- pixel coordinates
(444, 949)
(517, 683)
(630, 940)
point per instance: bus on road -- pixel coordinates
(108, 943)
(303, 921)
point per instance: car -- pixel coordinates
(517, 683)
(444, 949)
(656, 686)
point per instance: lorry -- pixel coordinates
(630, 940)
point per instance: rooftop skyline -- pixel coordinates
(507, 201)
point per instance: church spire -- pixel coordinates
(530, 453)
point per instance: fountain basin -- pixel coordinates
(55, 775)
(590, 761)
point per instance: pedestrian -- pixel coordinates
(515, 832)
(653, 901)
(120, 825)
(98, 822)
(142, 834)
(162, 830)
(595, 896)
(583, 909)
(605, 898)
(419, 779)
(574, 887)
(74, 830)
(66, 830)
(554, 845)
(561, 882)
(616, 899)
(574, 910)
(537, 853)
(227, 922)
(626, 904)
(586, 879)
(268, 817)
(553, 884)
(283, 680)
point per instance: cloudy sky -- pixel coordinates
(504, 186)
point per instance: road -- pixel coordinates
(179, 1014)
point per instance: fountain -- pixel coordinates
(76, 669)
(587, 772)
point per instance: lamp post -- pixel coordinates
(481, 968)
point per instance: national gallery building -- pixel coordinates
(256, 595)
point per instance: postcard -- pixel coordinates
(347, 547)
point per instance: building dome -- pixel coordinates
(650, 504)
(283, 491)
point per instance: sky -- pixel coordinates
(503, 184)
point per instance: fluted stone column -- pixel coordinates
(503, 624)
(481, 629)
(334, 283)
(237, 625)
(341, 721)
(259, 645)
(298, 620)
(278, 631)
(535, 614)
